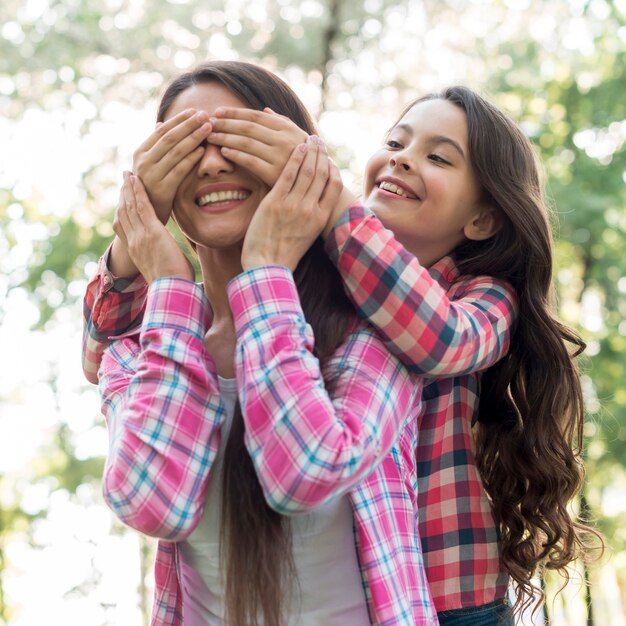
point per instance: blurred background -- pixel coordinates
(78, 87)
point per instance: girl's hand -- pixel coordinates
(295, 211)
(168, 155)
(150, 246)
(260, 141)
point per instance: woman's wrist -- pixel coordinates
(119, 263)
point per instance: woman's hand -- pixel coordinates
(168, 155)
(150, 246)
(295, 211)
(260, 141)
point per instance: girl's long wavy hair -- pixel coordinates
(530, 420)
(255, 543)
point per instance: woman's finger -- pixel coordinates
(307, 171)
(143, 206)
(291, 171)
(120, 222)
(320, 177)
(332, 189)
(134, 220)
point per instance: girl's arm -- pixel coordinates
(438, 324)
(309, 446)
(114, 305)
(163, 411)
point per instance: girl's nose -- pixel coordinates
(400, 159)
(213, 163)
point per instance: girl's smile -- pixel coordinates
(421, 184)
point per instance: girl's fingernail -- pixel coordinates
(315, 139)
(302, 147)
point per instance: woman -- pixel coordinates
(320, 423)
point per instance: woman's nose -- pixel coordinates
(213, 163)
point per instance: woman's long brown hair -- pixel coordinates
(531, 412)
(255, 545)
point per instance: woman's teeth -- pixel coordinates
(215, 197)
(391, 187)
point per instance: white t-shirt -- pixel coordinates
(329, 589)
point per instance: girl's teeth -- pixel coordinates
(223, 196)
(392, 188)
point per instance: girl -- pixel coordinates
(288, 496)
(455, 272)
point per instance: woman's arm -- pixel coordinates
(437, 324)
(163, 411)
(308, 446)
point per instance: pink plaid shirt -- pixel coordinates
(161, 401)
(448, 329)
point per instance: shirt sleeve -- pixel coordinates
(308, 445)
(435, 331)
(161, 401)
(111, 307)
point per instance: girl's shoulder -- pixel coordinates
(458, 286)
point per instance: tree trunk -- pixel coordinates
(328, 39)
(583, 516)
(144, 568)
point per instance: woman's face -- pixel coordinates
(215, 202)
(421, 184)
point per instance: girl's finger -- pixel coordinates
(176, 137)
(253, 143)
(271, 120)
(260, 167)
(163, 127)
(258, 125)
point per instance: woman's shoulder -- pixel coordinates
(364, 350)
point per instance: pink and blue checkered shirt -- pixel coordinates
(161, 402)
(448, 329)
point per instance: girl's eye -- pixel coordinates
(438, 159)
(393, 144)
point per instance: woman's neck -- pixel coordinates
(219, 267)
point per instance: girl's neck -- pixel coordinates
(219, 267)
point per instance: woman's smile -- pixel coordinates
(221, 197)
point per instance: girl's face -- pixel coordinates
(215, 202)
(422, 186)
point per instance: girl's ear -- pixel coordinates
(484, 223)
